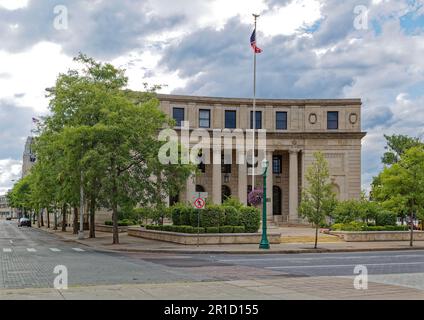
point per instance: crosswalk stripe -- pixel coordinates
(78, 249)
(54, 249)
(31, 250)
(7, 250)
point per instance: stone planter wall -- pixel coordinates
(212, 238)
(105, 228)
(364, 236)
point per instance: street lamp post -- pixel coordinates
(264, 241)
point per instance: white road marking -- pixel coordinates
(78, 249)
(346, 265)
(7, 250)
(31, 250)
(54, 249)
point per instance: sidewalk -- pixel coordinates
(103, 241)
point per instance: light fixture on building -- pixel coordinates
(226, 178)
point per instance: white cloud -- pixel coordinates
(13, 4)
(10, 169)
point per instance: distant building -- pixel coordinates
(28, 158)
(5, 209)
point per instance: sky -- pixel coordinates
(368, 49)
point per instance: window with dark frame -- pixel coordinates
(332, 120)
(276, 164)
(178, 115)
(230, 119)
(281, 120)
(225, 168)
(258, 120)
(204, 118)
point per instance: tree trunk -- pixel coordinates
(115, 211)
(54, 219)
(42, 217)
(411, 240)
(64, 220)
(316, 237)
(75, 224)
(38, 218)
(48, 218)
(92, 216)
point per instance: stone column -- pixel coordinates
(216, 184)
(190, 188)
(293, 186)
(242, 183)
(269, 184)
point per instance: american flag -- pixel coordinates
(253, 43)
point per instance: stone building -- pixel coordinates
(28, 158)
(5, 209)
(295, 129)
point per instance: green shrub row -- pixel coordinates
(361, 226)
(191, 229)
(215, 216)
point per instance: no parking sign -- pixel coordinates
(199, 199)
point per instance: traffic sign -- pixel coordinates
(199, 199)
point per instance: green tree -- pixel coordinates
(402, 185)
(396, 146)
(318, 200)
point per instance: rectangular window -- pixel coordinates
(225, 168)
(276, 164)
(230, 119)
(204, 118)
(258, 120)
(281, 120)
(332, 120)
(178, 115)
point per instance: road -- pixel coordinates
(28, 257)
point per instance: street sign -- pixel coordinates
(199, 199)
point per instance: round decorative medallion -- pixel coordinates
(353, 118)
(312, 118)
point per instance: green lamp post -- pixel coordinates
(264, 241)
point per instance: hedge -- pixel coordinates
(360, 226)
(232, 216)
(250, 218)
(226, 229)
(121, 223)
(212, 230)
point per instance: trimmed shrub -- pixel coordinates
(109, 223)
(385, 218)
(212, 230)
(250, 218)
(197, 230)
(232, 216)
(212, 216)
(226, 229)
(239, 229)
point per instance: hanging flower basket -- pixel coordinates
(255, 197)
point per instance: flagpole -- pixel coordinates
(254, 109)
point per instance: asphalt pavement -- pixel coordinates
(28, 257)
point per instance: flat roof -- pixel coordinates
(259, 101)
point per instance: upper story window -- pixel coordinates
(332, 120)
(258, 120)
(281, 120)
(204, 118)
(230, 119)
(276, 164)
(178, 115)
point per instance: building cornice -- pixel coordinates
(259, 102)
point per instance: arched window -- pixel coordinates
(200, 188)
(226, 192)
(276, 201)
(174, 199)
(336, 190)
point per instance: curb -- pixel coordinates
(256, 251)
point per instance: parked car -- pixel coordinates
(24, 222)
